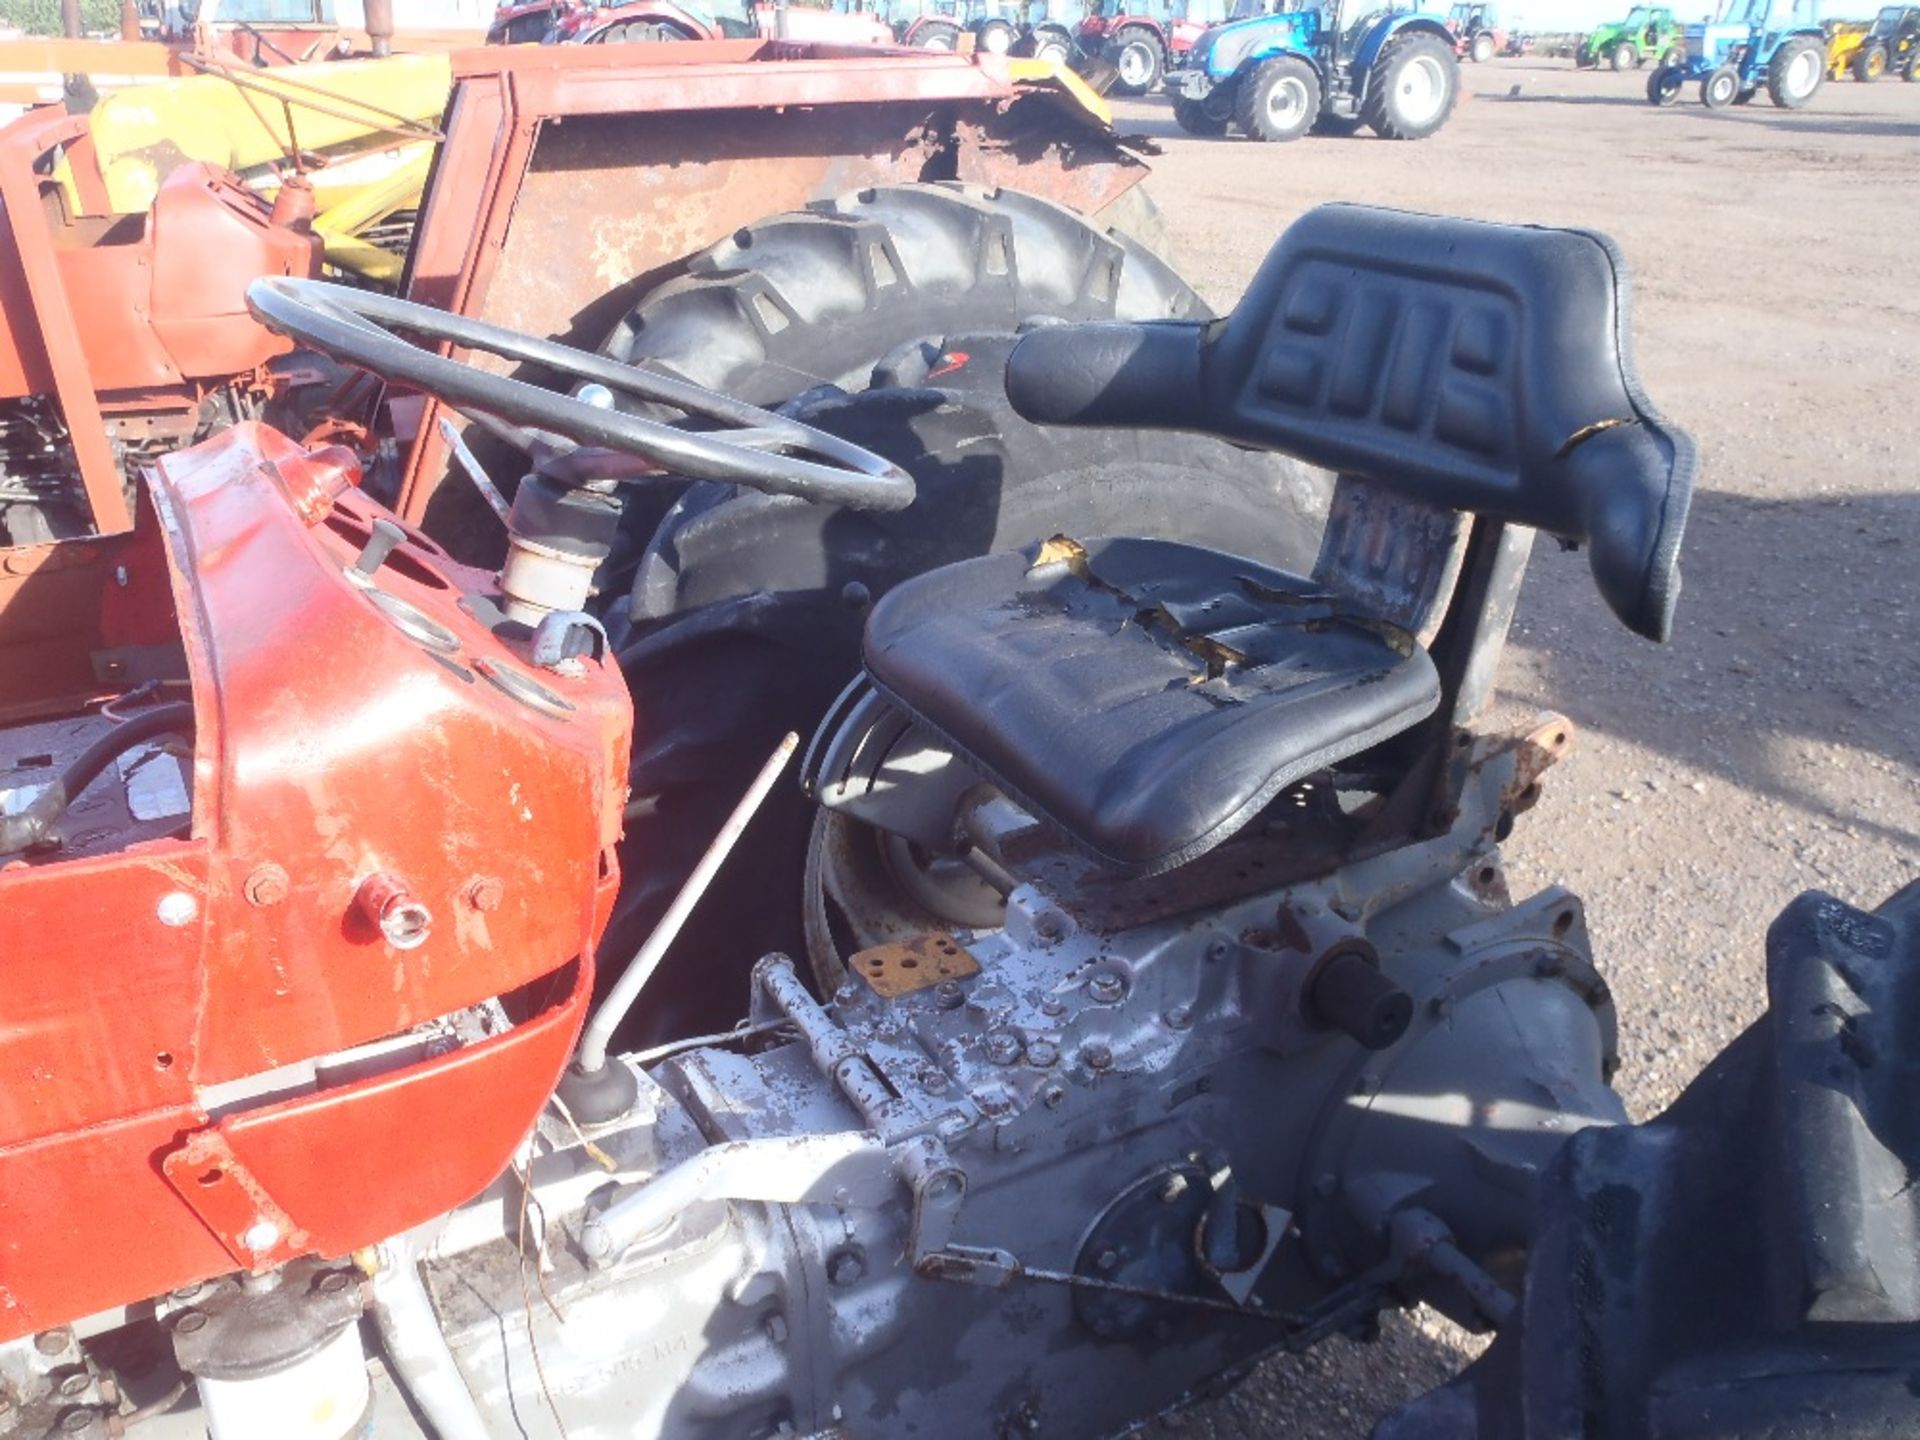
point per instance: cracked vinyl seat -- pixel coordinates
(1149, 698)
(1146, 696)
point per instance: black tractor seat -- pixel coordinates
(1148, 697)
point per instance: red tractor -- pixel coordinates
(528, 22)
(1144, 41)
(1131, 986)
(1477, 35)
(653, 20)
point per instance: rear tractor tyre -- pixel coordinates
(884, 316)
(1413, 87)
(1481, 49)
(1721, 88)
(1870, 64)
(1279, 101)
(938, 37)
(995, 37)
(1197, 118)
(1138, 61)
(1625, 57)
(1046, 44)
(1664, 84)
(1912, 71)
(1795, 73)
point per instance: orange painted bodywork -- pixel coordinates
(332, 744)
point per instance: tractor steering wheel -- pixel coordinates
(581, 441)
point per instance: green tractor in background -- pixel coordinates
(1648, 33)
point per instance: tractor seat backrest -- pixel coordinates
(1479, 367)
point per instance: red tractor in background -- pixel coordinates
(1477, 35)
(1144, 41)
(648, 20)
(528, 22)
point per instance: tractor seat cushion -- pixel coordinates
(1146, 697)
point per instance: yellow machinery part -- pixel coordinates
(242, 124)
(344, 215)
(1036, 71)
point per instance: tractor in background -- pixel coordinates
(650, 20)
(528, 22)
(925, 24)
(1146, 41)
(1750, 44)
(1889, 45)
(1477, 35)
(1648, 33)
(1275, 77)
(1142, 41)
(1048, 30)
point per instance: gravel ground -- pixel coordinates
(1774, 747)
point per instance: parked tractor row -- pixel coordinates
(1279, 76)
(1785, 47)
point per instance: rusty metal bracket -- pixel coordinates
(919, 962)
(235, 1206)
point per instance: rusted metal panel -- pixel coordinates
(901, 967)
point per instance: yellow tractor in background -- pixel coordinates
(1889, 44)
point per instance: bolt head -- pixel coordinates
(1107, 987)
(177, 908)
(1004, 1047)
(485, 893)
(1053, 1096)
(948, 995)
(1179, 1018)
(73, 1385)
(52, 1342)
(189, 1321)
(1219, 950)
(1096, 1056)
(74, 1421)
(261, 1236)
(333, 1282)
(266, 885)
(1042, 1053)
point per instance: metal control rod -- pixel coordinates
(592, 1055)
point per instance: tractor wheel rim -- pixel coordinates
(1422, 89)
(1802, 72)
(937, 42)
(1287, 103)
(1723, 86)
(1135, 64)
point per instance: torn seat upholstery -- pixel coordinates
(1147, 697)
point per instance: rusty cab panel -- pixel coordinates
(217, 1047)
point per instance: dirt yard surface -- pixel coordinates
(1774, 747)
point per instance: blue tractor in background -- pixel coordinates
(1278, 76)
(1750, 43)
